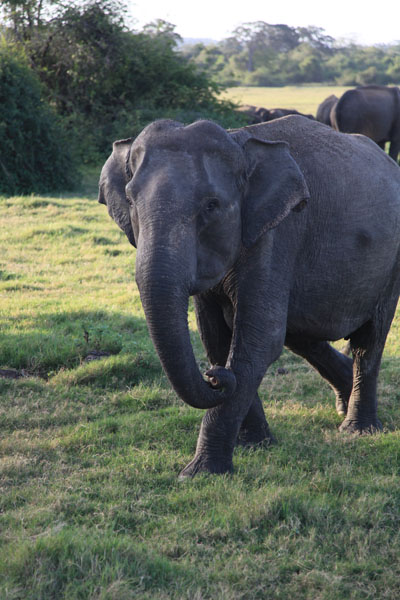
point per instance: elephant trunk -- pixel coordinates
(165, 302)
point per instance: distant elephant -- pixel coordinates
(277, 113)
(324, 109)
(275, 248)
(258, 114)
(373, 110)
(255, 114)
(263, 114)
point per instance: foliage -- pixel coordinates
(105, 80)
(90, 505)
(25, 15)
(34, 152)
(92, 65)
(262, 54)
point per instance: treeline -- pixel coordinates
(74, 77)
(261, 54)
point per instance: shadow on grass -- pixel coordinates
(120, 371)
(55, 346)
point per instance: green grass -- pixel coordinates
(305, 99)
(90, 505)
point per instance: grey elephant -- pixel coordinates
(259, 114)
(255, 114)
(373, 110)
(325, 108)
(275, 248)
(277, 113)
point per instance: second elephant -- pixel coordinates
(325, 108)
(374, 111)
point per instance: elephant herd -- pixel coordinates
(258, 114)
(371, 110)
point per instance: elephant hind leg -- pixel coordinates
(255, 430)
(367, 348)
(367, 345)
(333, 365)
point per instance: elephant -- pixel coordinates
(374, 111)
(277, 113)
(255, 114)
(276, 250)
(263, 115)
(324, 109)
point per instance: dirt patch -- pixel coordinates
(95, 355)
(13, 373)
(19, 373)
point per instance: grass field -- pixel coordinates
(305, 99)
(90, 505)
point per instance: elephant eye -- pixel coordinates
(211, 205)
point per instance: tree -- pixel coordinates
(163, 31)
(316, 38)
(263, 39)
(26, 15)
(102, 77)
(34, 152)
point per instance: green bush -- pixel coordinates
(107, 82)
(129, 123)
(103, 80)
(34, 152)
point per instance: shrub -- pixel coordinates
(34, 151)
(107, 82)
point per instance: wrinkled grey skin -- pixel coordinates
(258, 114)
(325, 108)
(286, 233)
(374, 111)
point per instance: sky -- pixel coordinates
(357, 20)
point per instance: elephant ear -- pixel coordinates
(113, 179)
(275, 186)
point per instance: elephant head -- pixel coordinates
(197, 198)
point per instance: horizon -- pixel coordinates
(347, 23)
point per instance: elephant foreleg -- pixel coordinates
(333, 365)
(216, 334)
(241, 422)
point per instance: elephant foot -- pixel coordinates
(361, 427)
(201, 464)
(251, 438)
(341, 405)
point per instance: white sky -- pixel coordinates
(363, 21)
